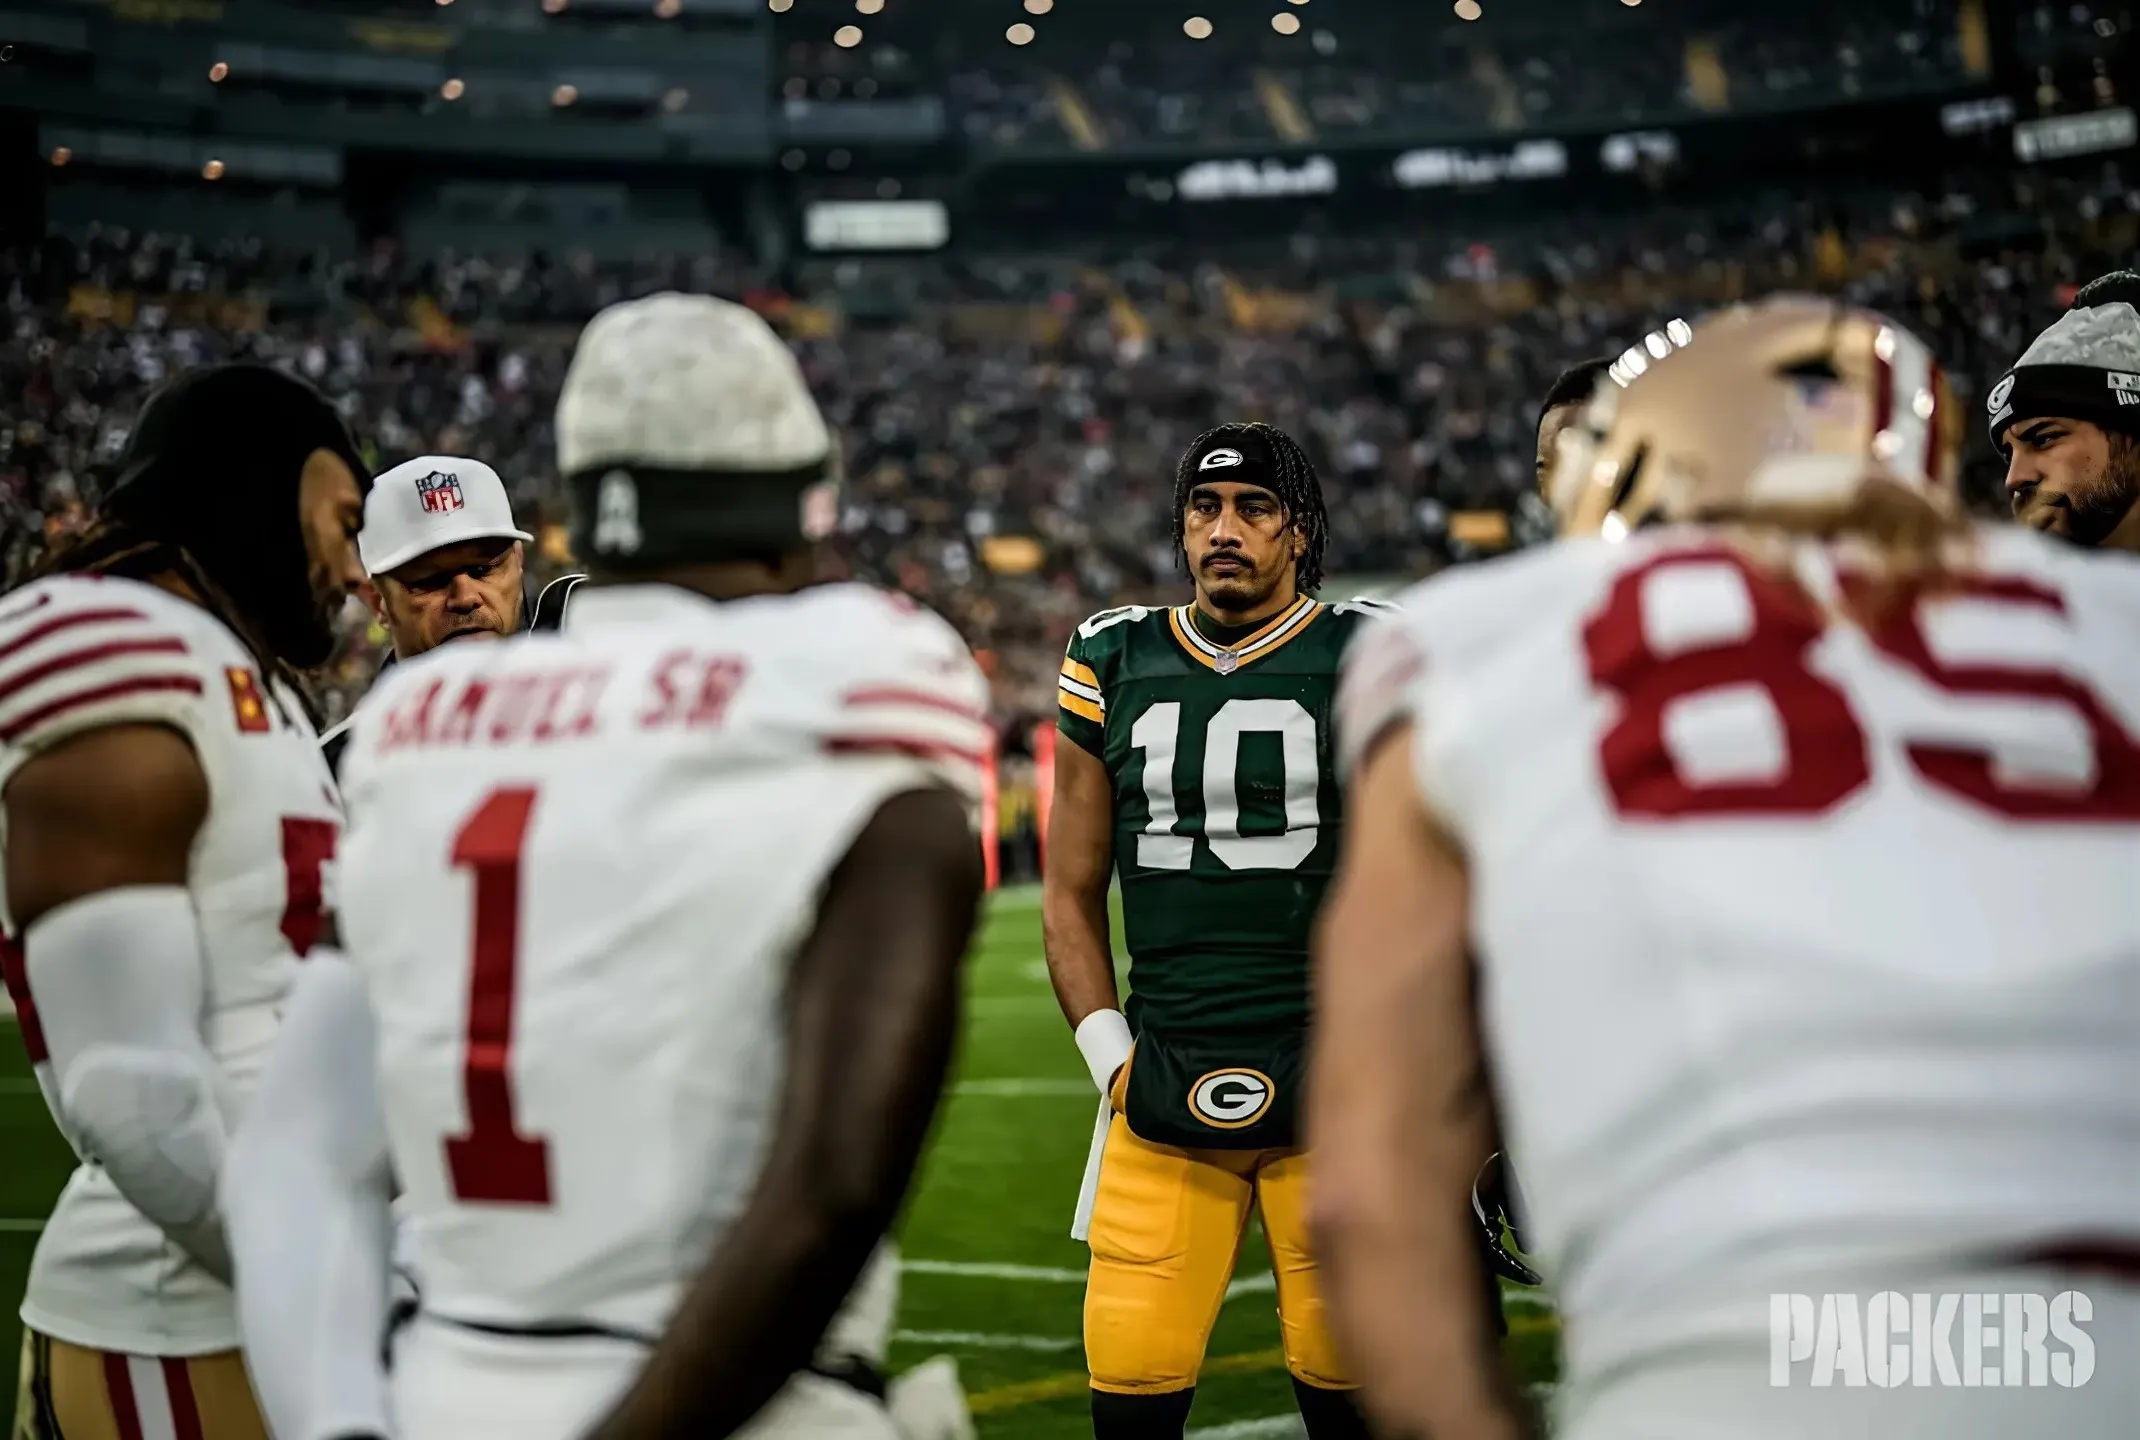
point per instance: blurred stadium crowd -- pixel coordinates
(1011, 425)
(1387, 72)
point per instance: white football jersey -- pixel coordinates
(1802, 944)
(80, 652)
(577, 867)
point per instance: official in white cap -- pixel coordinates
(444, 561)
(443, 553)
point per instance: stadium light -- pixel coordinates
(1468, 10)
(1285, 22)
(213, 170)
(553, 7)
(847, 36)
(1039, 7)
(564, 95)
(218, 73)
(869, 7)
(780, 7)
(453, 89)
(61, 154)
(1196, 27)
(1019, 34)
(668, 9)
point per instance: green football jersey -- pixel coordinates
(1227, 809)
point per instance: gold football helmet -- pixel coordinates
(1793, 406)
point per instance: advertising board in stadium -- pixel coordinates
(876, 225)
(1253, 180)
(1438, 166)
(2057, 137)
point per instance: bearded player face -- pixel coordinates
(2071, 478)
(1242, 545)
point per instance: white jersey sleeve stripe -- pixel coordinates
(74, 659)
(67, 622)
(139, 684)
(36, 604)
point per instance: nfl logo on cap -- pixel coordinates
(440, 492)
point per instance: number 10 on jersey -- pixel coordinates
(1169, 844)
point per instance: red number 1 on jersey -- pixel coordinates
(494, 1163)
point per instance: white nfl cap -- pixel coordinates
(429, 503)
(687, 383)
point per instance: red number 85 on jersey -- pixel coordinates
(1826, 754)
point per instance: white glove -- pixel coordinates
(928, 1403)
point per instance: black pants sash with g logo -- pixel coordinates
(1237, 1091)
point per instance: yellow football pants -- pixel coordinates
(1166, 1224)
(69, 1393)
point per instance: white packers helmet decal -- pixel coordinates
(1232, 1099)
(1220, 460)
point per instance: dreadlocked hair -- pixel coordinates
(112, 547)
(1294, 481)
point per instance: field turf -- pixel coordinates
(992, 1274)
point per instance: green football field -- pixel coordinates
(992, 1275)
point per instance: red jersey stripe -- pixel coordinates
(190, 684)
(900, 745)
(15, 974)
(67, 622)
(119, 1386)
(178, 1386)
(892, 695)
(73, 658)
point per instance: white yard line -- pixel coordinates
(975, 1270)
(1260, 1284)
(1003, 1089)
(1271, 1427)
(972, 1340)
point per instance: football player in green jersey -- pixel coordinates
(1199, 771)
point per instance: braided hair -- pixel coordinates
(1269, 457)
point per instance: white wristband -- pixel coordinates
(1103, 1038)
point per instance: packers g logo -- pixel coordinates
(1232, 1099)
